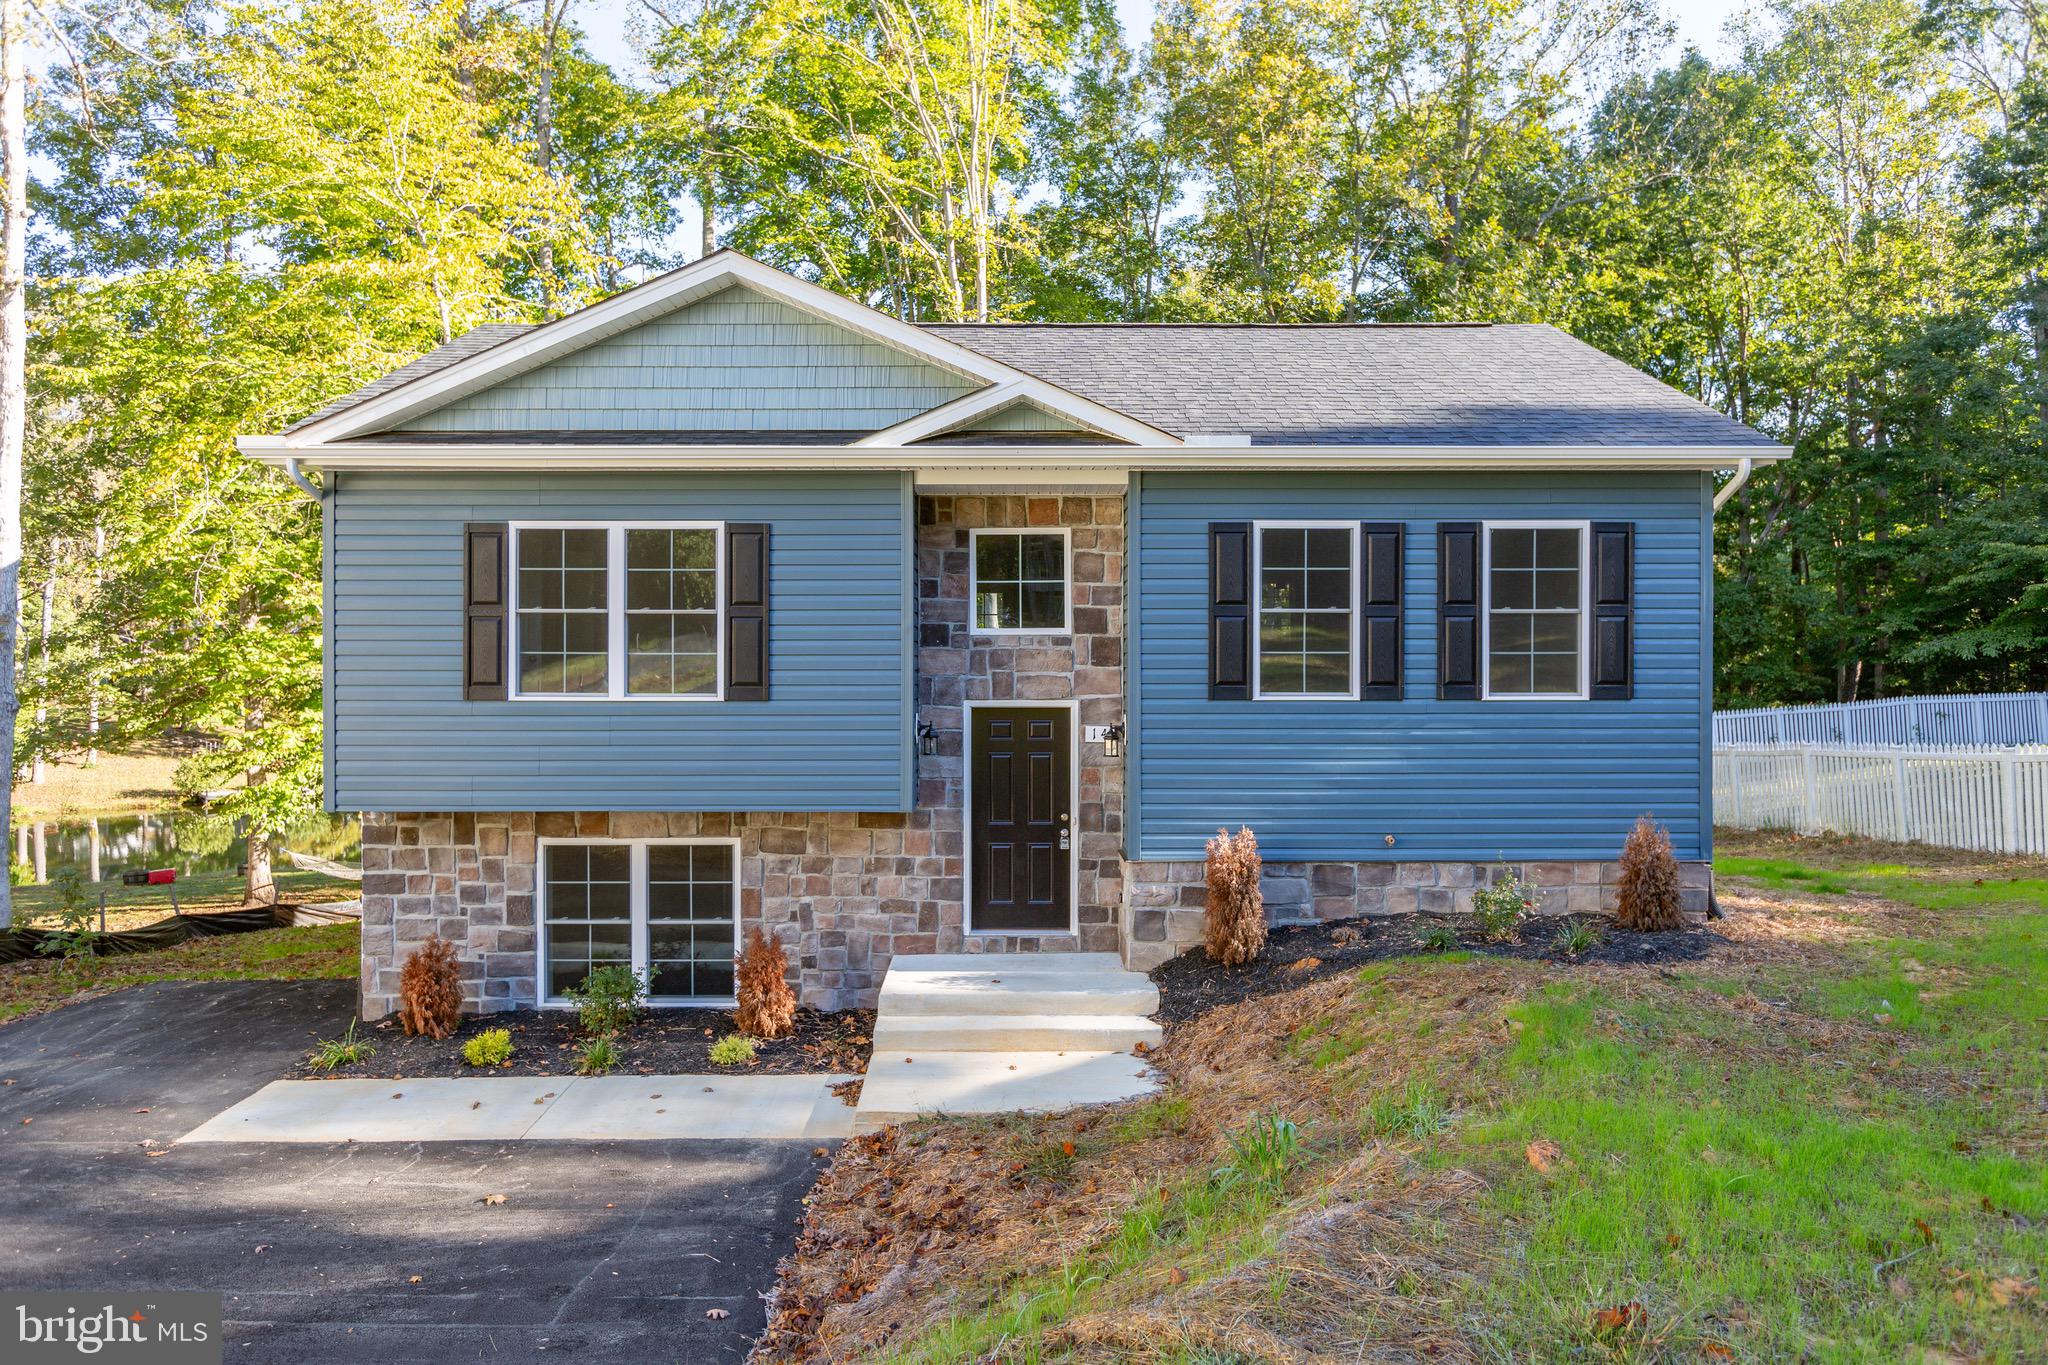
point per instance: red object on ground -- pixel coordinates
(159, 876)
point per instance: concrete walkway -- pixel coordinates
(536, 1108)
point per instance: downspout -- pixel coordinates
(312, 490)
(1742, 471)
(1733, 487)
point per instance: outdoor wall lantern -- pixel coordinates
(1113, 742)
(927, 739)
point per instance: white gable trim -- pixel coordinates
(984, 402)
(700, 279)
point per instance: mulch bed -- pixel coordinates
(1296, 954)
(663, 1042)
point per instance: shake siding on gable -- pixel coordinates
(736, 361)
(833, 737)
(1449, 780)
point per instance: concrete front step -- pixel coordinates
(1014, 1032)
(902, 1086)
(957, 984)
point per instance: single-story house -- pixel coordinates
(730, 602)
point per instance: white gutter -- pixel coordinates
(594, 455)
(1734, 485)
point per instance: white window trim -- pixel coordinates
(1259, 529)
(615, 610)
(1066, 535)
(1486, 530)
(636, 919)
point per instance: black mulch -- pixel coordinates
(662, 1042)
(1191, 983)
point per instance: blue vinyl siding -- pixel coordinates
(736, 361)
(833, 737)
(1449, 780)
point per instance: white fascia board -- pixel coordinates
(597, 455)
(720, 270)
(1048, 398)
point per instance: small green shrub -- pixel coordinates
(597, 1055)
(1262, 1152)
(346, 1050)
(608, 999)
(1578, 936)
(72, 937)
(1498, 910)
(1437, 937)
(489, 1048)
(735, 1049)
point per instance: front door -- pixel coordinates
(1021, 823)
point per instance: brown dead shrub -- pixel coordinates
(430, 989)
(1647, 896)
(1237, 912)
(767, 1006)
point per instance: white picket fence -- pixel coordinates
(1992, 798)
(1992, 718)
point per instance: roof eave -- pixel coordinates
(595, 454)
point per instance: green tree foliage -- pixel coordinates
(1839, 236)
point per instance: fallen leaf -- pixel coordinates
(1926, 1232)
(398, 1094)
(414, 1279)
(262, 1247)
(1304, 964)
(492, 1199)
(1544, 1155)
(1141, 1047)
(1176, 1276)
(1628, 1318)
(1716, 1350)
(476, 1104)
(142, 1111)
(716, 1314)
(1067, 1148)
(818, 1151)
(26, 1122)
(1673, 1240)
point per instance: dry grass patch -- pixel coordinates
(1820, 1141)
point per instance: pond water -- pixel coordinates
(191, 841)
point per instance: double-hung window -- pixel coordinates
(1018, 582)
(664, 907)
(628, 609)
(1535, 610)
(1307, 636)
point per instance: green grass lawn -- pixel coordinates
(199, 893)
(1827, 1142)
(326, 951)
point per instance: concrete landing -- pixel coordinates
(970, 1033)
(512, 1108)
(901, 1087)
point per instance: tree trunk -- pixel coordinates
(13, 385)
(707, 203)
(260, 885)
(36, 767)
(92, 684)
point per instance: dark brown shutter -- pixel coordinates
(483, 610)
(1379, 603)
(1230, 611)
(746, 611)
(1614, 610)
(1457, 610)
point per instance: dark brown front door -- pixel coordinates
(1021, 823)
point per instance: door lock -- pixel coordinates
(1063, 837)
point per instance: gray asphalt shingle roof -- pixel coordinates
(1519, 384)
(1445, 385)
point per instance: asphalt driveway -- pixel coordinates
(376, 1252)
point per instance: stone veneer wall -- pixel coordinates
(844, 892)
(1165, 904)
(955, 666)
